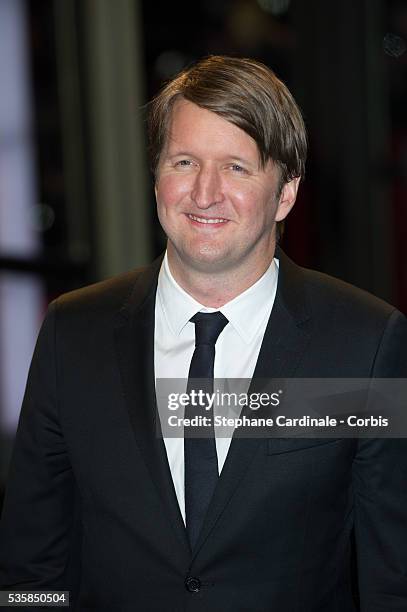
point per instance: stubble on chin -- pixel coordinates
(202, 258)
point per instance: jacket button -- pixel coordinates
(193, 585)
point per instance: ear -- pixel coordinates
(287, 198)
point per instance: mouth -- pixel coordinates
(207, 221)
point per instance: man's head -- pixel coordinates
(245, 93)
(228, 148)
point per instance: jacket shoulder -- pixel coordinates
(327, 292)
(101, 298)
(358, 333)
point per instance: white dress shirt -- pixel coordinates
(237, 347)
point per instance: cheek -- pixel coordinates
(252, 203)
(170, 190)
(244, 196)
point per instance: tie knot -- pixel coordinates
(208, 326)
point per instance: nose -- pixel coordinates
(207, 188)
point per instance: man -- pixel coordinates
(98, 504)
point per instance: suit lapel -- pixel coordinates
(284, 343)
(134, 335)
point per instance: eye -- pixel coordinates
(239, 169)
(183, 163)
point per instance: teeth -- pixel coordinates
(202, 220)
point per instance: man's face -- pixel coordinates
(216, 204)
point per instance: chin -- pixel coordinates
(204, 251)
(211, 251)
(202, 259)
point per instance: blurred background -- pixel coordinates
(76, 195)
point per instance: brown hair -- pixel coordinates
(248, 94)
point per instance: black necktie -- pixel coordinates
(201, 460)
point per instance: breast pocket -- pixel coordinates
(277, 446)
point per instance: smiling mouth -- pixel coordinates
(206, 221)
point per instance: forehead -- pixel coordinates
(191, 126)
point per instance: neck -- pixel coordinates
(211, 289)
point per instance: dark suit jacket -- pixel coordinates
(91, 506)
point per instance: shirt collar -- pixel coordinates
(178, 306)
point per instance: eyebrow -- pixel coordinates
(181, 153)
(240, 160)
